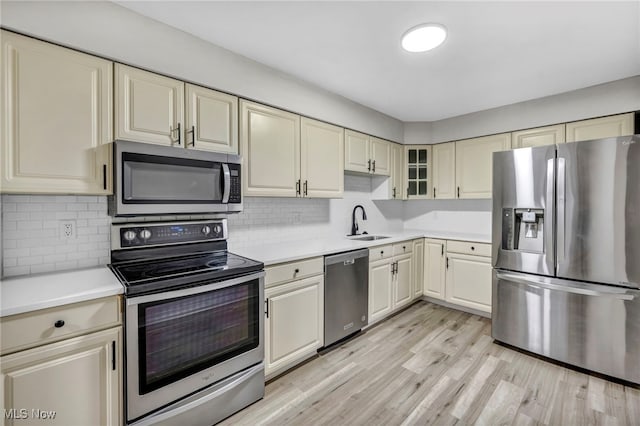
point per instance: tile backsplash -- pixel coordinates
(33, 233)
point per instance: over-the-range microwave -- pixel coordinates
(160, 180)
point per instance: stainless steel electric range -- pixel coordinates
(193, 322)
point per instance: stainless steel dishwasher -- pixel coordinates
(346, 294)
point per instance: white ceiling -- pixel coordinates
(497, 53)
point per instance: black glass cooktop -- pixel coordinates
(162, 274)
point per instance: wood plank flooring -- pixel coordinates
(435, 365)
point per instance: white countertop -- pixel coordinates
(30, 293)
(272, 254)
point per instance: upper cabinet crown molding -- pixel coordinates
(56, 119)
(156, 109)
(548, 135)
(603, 127)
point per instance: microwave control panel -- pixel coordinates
(235, 194)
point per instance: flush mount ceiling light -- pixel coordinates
(423, 37)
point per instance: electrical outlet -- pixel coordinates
(67, 229)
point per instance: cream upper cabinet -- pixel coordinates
(149, 107)
(380, 157)
(77, 378)
(434, 268)
(604, 127)
(474, 159)
(356, 152)
(212, 120)
(417, 171)
(56, 119)
(549, 135)
(322, 159)
(366, 154)
(444, 170)
(294, 327)
(397, 172)
(270, 146)
(418, 267)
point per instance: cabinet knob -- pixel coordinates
(473, 248)
(58, 324)
(381, 251)
(296, 271)
(404, 248)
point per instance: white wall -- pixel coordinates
(111, 31)
(457, 216)
(604, 99)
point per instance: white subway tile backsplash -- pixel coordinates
(31, 238)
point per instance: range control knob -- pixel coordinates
(206, 230)
(129, 235)
(145, 234)
(217, 230)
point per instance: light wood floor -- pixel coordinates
(434, 365)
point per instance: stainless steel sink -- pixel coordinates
(369, 238)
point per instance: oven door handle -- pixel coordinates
(137, 300)
(227, 183)
(169, 413)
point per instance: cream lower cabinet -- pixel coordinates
(468, 281)
(549, 135)
(390, 279)
(434, 268)
(474, 159)
(380, 289)
(56, 119)
(418, 267)
(603, 127)
(294, 315)
(73, 382)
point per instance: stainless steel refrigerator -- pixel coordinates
(566, 253)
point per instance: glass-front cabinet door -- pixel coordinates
(418, 171)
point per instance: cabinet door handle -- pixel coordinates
(458, 192)
(394, 192)
(374, 166)
(298, 187)
(305, 188)
(104, 177)
(447, 263)
(434, 192)
(266, 307)
(441, 250)
(113, 355)
(58, 324)
(193, 135)
(369, 165)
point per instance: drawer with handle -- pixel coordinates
(402, 248)
(43, 326)
(465, 247)
(380, 252)
(285, 272)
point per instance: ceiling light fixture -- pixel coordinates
(423, 37)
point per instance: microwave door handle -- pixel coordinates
(227, 183)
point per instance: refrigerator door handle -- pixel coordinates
(561, 201)
(532, 281)
(549, 215)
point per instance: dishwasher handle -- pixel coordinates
(346, 258)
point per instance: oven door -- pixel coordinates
(151, 179)
(181, 341)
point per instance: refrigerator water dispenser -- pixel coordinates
(522, 230)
